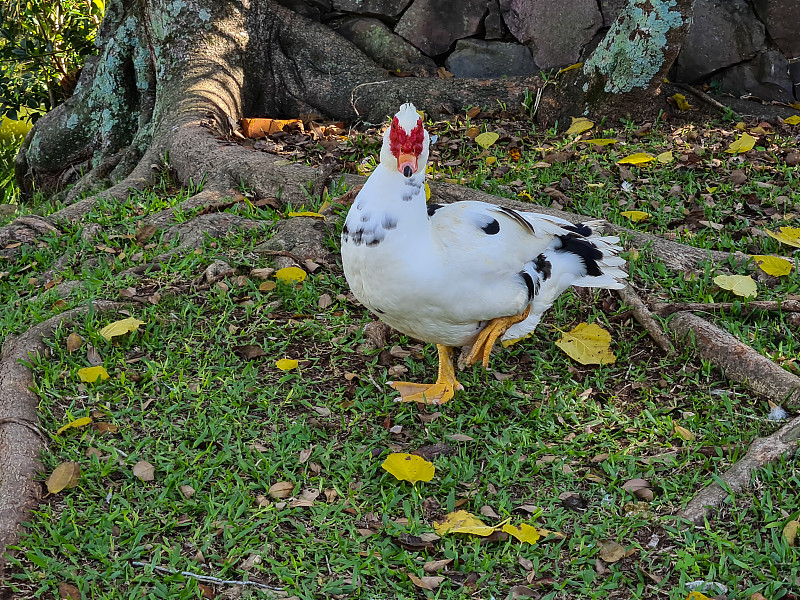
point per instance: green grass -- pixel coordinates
(185, 401)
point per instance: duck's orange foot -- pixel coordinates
(482, 348)
(427, 393)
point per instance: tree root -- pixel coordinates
(762, 451)
(663, 309)
(739, 362)
(645, 318)
(19, 443)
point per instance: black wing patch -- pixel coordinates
(492, 227)
(432, 208)
(583, 248)
(533, 286)
(579, 228)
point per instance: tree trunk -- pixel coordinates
(172, 79)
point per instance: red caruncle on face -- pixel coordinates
(406, 143)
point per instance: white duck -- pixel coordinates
(461, 274)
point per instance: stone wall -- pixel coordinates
(746, 47)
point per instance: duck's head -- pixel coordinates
(405, 143)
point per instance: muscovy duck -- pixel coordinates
(462, 274)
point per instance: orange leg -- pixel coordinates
(439, 392)
(482, 347)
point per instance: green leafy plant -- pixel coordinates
(43, 46)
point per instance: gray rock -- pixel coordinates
(723, 33)
(556, 31)
(766, 77)
(377, 8)
(433, 25)
(794, 72)
(384, 46)
(482, 59)
(493, 26)
(782, 18)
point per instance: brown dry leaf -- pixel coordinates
(790, 532)
(186, 490)
(434, 565)
(330, 494)
(144, 470)
(472, 132)
(322, 411)
(280, 490)
(103, 427)
(525, 563)
(305, 455)
(262, 273)
(427, 582)
(248, 351)
(473, 112)
(684, 433)
(67, 591)
(460, 437)
(63, 476)
(74, 341)
(144, 234)
(488, 511)
(522, 591)
(324, 301)
(611, 551)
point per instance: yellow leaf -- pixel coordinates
(773, 265)
(697, 596)
(684, 433)
(787, 235)
(711, 189)
(795, 105)
(490, 160)
(463, 522)
(579, 125)
(760, 131)
(665, 157)
(570, 68)
(76, 423)
(740, 126)
(524, 533)
(306, 213)
(681, 102)
(290, 275)
(486, 139)
(121, 327)
(588, 344)
(427, 192)
(287, 364)
(267, 286)
(793, 120)
(601, 141)
(409, 467)
(91, 374)
(635, 215)
(64, 475)
(639, 158)
(790, 532)
(741, 285)
(742, 145)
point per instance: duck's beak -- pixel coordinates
(407, 163)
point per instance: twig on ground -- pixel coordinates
(664, 309)
(762, 451)
(739, 361)
(701, 95)
(207, 578)
(645, 318)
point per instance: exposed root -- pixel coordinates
(664, 309)
(645, 318)
(762, 451)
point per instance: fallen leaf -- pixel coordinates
(741, 285)
(472, 132)
(793, 120)
(611, 551)
(63, 476)
(82, 422)
(144, 470)
(91, 374)
(639, 158)
(74, 341)
(267, 286)
(460, 437)
(121, 327)
(681, 102)
(684, 433)
(588, 344)
(635, 215)
(262, 272)
(434, 565)
(144, 234)
(488, 511)
(287, 364)
(790, 532)
(524, 533)
(463, 522)
(305, 213)
(787, 235)
(697, 596)
(742, 145)
(773, 265)
(427, 582)
(409, 467)
(67, 591)
(249, 351)
(305, 455)
(601, 141)
(186, 490)
(486, 139)
(665, 157)
(579, 125)
(290, 275)
(280, 490)
(570, 68)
